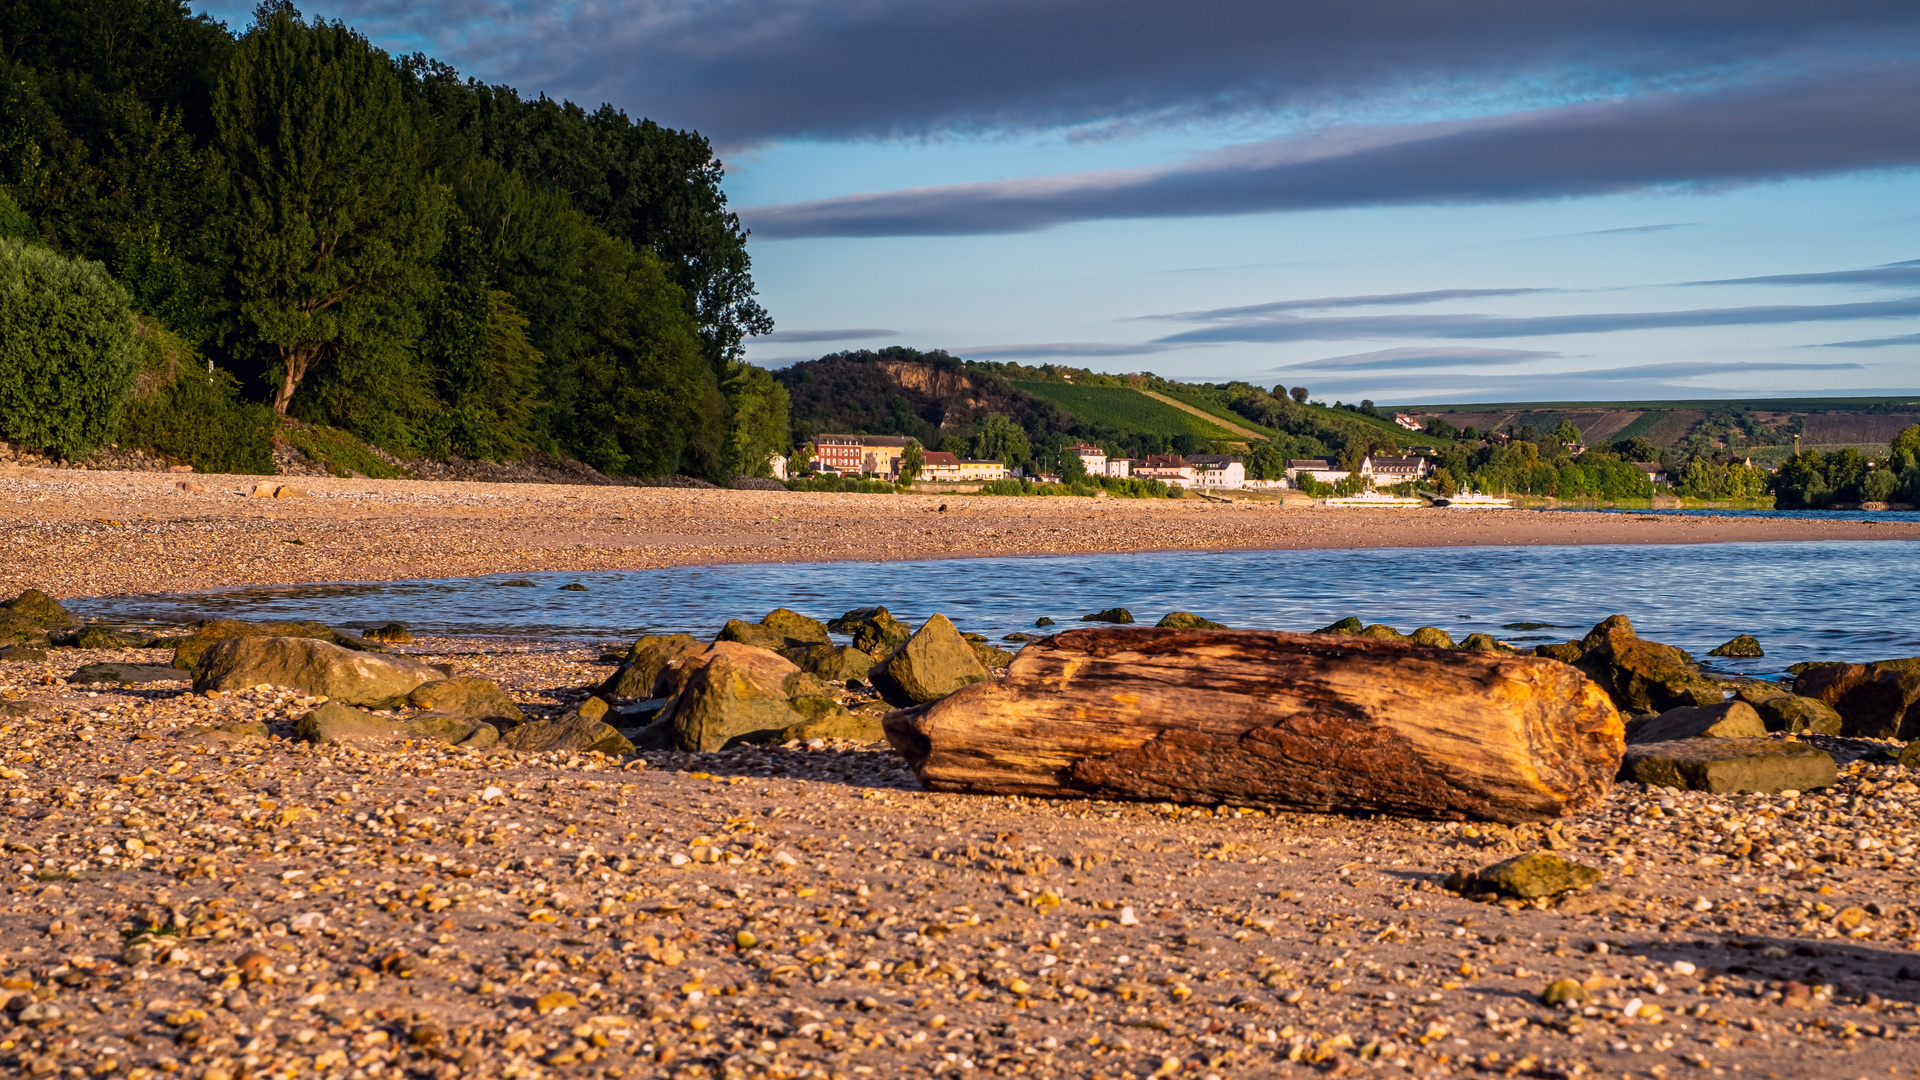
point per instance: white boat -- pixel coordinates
(1474, 502)
(1376, 501)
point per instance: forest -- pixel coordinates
(209, 237)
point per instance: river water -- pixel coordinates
(1804, 601)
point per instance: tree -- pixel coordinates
(911, 462)
(757, 428)
(1907, 442)
(1299, 395)
(66, 350)
(1567, 433)
(1002, 440)
(1444, 483)
(335, 222)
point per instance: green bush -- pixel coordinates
(338, 452)
(66, 350)
(847, 484)
(191, 414)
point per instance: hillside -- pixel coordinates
(1764, 428)
(1122, 408)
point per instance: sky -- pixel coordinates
(1396, 200)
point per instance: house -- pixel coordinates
(1120, 467)
(1219, 471)
(939, 467)
(1406, 421)
(1092, 457)
(1170, 468)
(1398, 470)
(1325, 470)
(1656, 472)
(778, 463)
(982, 469)
(875, 454)
(841, 453)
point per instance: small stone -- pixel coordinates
(1535, 875)
(1745, 647)
(1127, 917)
(1187, 620)
(426, 1035)
(1118, 615)
(1043, 621)
(254, 966)
(555, 1002)
(745, 940)
(1563, 992)
(573, 587)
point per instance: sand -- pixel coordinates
(98, 533)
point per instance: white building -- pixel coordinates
(1169, 468)
(1092, 457)
(982, 469)
(1120, 467)
(1219, 471)
(779, 464)
(1325, 470)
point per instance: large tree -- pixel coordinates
(335, 221)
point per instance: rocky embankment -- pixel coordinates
(309, 850)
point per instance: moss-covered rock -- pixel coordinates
(1727, 720)
(1432, 637)
(465, 695)
(1567, 652)
(101, 637)
(1187, 620)
(1745, 646)
(1642, 676)
(795, 627)
(1118, 615)
(646, 662)
(1536, 874)
(833, 662)
(933, 663)
(1723, 766)
(1348, 625)
(209, 632)
(1381, 632)
(1485, 643)
(874, 630)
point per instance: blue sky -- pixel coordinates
(1391, 199)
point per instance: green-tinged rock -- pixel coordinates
(796, 628)
(1727, 720)
(1797, 715)
(316, 667)
(1567, 652)
(218, 734)
(874, 630)
(832, 662)
(594, 708)
(516, 583)
(22, 654)
(1018, 636)
(1485, 643)
(29, 707)
(640, 676)
(38, 609)
(837, 725)
(1910, 755)
(1563, 992)
(990, 656)
(465, 695)
(1755, 691)
(1874, 701)
(207, 632)
(481, 737)
(571, 733)
(1187, 620)
(1118, 615)
(118, 674)
(101, 637)
(1381, 632)
(1536, 874)
(1744, 646)
(1348, 625)
(736, 694)
(933, 663)
(392, 633)
(450, 729)
(1432, 637)
(1805, 666)
(335, 722)
(1042, 621)
(1642, 676)
(753, 634)
(1723, 766)
(573, 586)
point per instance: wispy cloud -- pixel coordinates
(1902, 275)
(1871, 343)
(1430, 296)
(1280, 328)
(860, 334)
(1420, 358)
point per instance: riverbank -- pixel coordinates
(107, 533)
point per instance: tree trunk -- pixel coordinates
(296, 369)
(1271, 719)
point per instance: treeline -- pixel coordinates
(1812, 480)
(1529, 462)
(309, 227)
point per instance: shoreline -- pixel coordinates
(99, 534)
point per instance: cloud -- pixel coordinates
(1899, 275)
(1640, 382)
(764, 70)
(1431, 296)
(1419, 358)
(1871, 343)
(1351, 327)
(1061, 348)
(1801, 127)
(861, 334)
(1638, 229)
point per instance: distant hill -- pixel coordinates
(1764, 428)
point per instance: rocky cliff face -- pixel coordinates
(929, 380)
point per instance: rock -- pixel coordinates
(1381, 632)
(1563, 992)
(335, 722)
(189, 487)
(1744, 646)
(100, 637)
(465, 695)
(837, 725)
(833, 662)
(736, 694)
(219, 734)
(30, 618)
(796, 628)
(874, 630)
(1018, 636)
(1432, 637)
(573, 587)
(263, 490)
(23, 654)
(639, 676)
(1348, 625)
(1909, 754)
(594, 708)
(1728, 720)
(1111, 615)
(1485, 643)
(1567, 652)
(119, 674)
(571, 732)
(1534, 875)
(1186, 620)
(1642, 676)
(451, 729)
(391, 634)
(1263, 718)
(989, 655)
(288, 491)
(1729, 765)
(933, 663)
(516, 583)
(1874, 701)
(29, 707)
(1043, 621)
(316, 667)
(206, 632)
(1798, 715)
(753, 634)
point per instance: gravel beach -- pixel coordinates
(185, 903)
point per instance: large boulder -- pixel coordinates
(874, 630)
(31, 617)
(1722, 766)
(1743, 646)
(334, 722)
(737, 694)
(572, 732)
(206, 632)
(931, 664)
(650, 657)
(989, 654)
(313, 666)
(465, 695)
(834, 662)
(1642, 676)
(1874, 701)
(741, 632)
(795, 627)
(1791, 713)
(102, 637)
(1432, 637)
(1728, 720)
(1187, 620)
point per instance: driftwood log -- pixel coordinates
(1277, 720)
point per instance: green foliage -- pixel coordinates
(66, 350)
(190, 413)
(849, 484)
(757, 428)
(1124, 409)
(912, 460)
(338, 452)
(1000, 439)
(1812, 480)
(14, 222)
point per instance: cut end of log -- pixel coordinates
(1275, 720)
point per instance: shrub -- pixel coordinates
(846, 484)
(66, 350)
(189, 413)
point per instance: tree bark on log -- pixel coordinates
(1277, 720)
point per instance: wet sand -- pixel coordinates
(103, 533)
